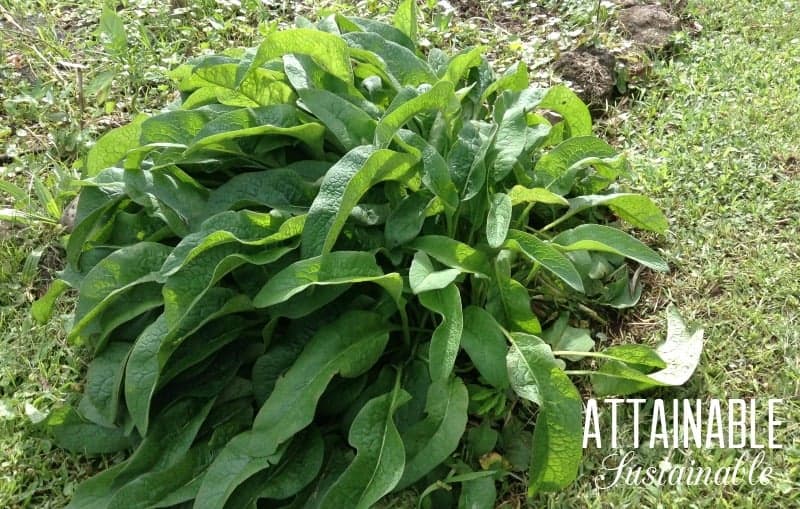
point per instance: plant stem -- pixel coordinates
(578, 372)
(597, 355)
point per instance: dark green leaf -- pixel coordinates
(440, 97)
(336, 268)
(380, 458)
(405, 221)
(544, 253)
(344, 184)
(423, 277)
(514, 298)
(104, 381)
(156, 344)
(453, 253)
(110, 280)
(349, 346)
(351, 125)
(484, 342)
(431, 441)
(595, 237)
(74, 433)
(446, 338)
(557, 437)
(478, 494)
(400, 62)
(499, 219)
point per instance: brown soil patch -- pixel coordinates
(789, 164)
(650, 26)
(591, 71)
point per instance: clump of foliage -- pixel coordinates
(304, 279)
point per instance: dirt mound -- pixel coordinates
(651, 26)
(591, 71)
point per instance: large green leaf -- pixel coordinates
(440, 97)
(459, 66)
(595, 237)
(349, 346)
(406, 220)
(478, 493)
(432, 440)
(380, 458)
(557, 170)
(110, 280)
(515, 79)
(170, 438)
(177, 127)
(400, 62)
(453, 253)
(446, 338)
(104, 381)
(243, 227)
(99, 198)
(435, 173)
(498, 220)
(158, 341)
(467, 158)
(512, 135)
(113, 146)
(161, 488)
(514, 298)
(423, 276)
(277, 120)
(74, 433)
(303, 462)
(558, 434)
(546, 255)
(344, 184)
(638, 210)
(299, 465)
(282, 189)
(566, 103)
(348, 123)
(327, 50)
(305, 73)
(261, 87)
(521, 194)
(336, 268)
(484, 342)
(405, 18)
(388, 32)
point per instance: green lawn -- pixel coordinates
(713, 137)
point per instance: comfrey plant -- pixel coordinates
(323, 275)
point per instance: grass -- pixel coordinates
(715, 140)
(713, 137)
